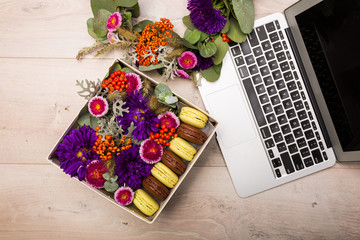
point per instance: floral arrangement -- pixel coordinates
(121, 132)
(211, 26)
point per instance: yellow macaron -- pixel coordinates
(162, 173)
(193, 117)
(145, 203)
(182, 148)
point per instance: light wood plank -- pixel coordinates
(40, 202)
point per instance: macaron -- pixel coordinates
(191, 134)
(173, 162)
(145, 203)
(193, 117)
(182, 148)
(155, 188)
(162, 173)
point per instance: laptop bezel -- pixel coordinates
(290, 14)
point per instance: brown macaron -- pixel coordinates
(155, 188)
(192, 134)
(173, 162)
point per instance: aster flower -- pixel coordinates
(112, 38)
(202, 63)
(134, 82)
(130, 168)
(114, 22)
(98, 106)
(75, 151)
(187, 60)
(205, 17)
(94, 174)
(169, 119)
(139, 113)
(124, 196)
(181, 73)
(150, 151)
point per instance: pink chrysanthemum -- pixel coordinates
(124, 196)
(150, 151)
(98, 106)
(169, 119)
(134, 82)
(94, 174)
(112, 37)
(114, 21)
(181, 73)
(187, 60)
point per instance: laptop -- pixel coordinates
(287, 100)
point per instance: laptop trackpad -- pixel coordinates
(229, 108)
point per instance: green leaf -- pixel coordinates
(127, 70)
(135, 11)
(116, 66)
(106, 176)
(162, 88)
(245, 14)
(222, 48)
(218, 68)
(235, 33)
(203, 36)
(226, 27)
(193, 37)
(114, 178)
(210, 74)
(165, 95)
(127, 3)
(207, 50)
(100, 20)
(111, 186)
(111, 6)
(93, 122)
(171, 99)
(187, 22)
(151, 67)
(141, 25)
(84, 117)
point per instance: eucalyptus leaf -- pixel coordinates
(90, 28)
(207, 49)
(100, 20)
(135, 10)
(116, 66)
(187, 22)
(235, 33)
(84, 116)
(114, 178)
(203, 36)
(171, 99)
(127, 3)
(93, 122)
(111, 6)
(127, 70)
(151, 67)
(226, 27)
(217, 68)
(141, 25)
(182, 41)
(162, 88)
(210, 74)
(222, 48)
(111, 186)
(245, 14)
(193, 37)
(106, 176)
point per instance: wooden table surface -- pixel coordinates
(39, 40)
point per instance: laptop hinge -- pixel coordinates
(308, 87)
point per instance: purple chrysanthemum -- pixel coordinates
(114, 22)
(134, 82)
(187, 60)
(150, 151)
(181, 73)
(75, 151)
(94, 174)
(130, 169)
(113, 38)
(98, 106)
(169, 119)
(205, 17)
(139, 113)
(203, 63)
(124, 196)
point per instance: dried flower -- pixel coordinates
(124, 196)
(113, 38)
(150, 151)
(114, 22)
(98, 106)
(187, 60)
(181, 73)
(94, 174)
(134, 82)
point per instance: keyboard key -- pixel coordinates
(256, 79)
(284, 66)
(292, 65)
(305, 124)
(284, 94)
(289, 138)
(268, 80)
(281, 147)
(264, 98)
(271, 118)
(285, 129)
(287, 104)
(266, 45)
(273, 65)
(282, 119)
(253, 69)
(277, 24)
(257, 51)
(297, 162)
(278, 109)
(239, 61)
(267, 108)
(276, 162)
(260, 88)
(264, 71)
(276, 74)
(302, 115)
(325, 156)
(261, 61)
(274, 37)
(275, 100)
(298, 133)
(271, 153)
(316, 154)
(305, 152)
(235, 51)
(308, 162)
(278, 173)
(269, 143)
(288, 55)
(245, 48)
(296, 76)
(309, 134)
(291, 85)
(301, 142)
(290, 113)
(288, 76)
(281, 56)
(313, 144)
(295, 95)
(254, 102)
(285, 158)
(277, 47)
(270, 27)
(293, 148)
(281, 35)
(243, 72)
(261, 33)
(269, 55)
(278, 137)
(294, 123)
(249, 60)
(253, 39)
(271, 90)
(298, 105)
(274, 128)
(265, 132)
(285, 45)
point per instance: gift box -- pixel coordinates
(209, 130)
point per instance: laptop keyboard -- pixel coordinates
(280, 105)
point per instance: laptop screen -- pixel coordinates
(331, 34)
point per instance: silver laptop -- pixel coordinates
(287, 100)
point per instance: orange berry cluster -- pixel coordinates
(116, 81)
(225, 38)
(164, 135)
(107, 149)
(151, 39)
